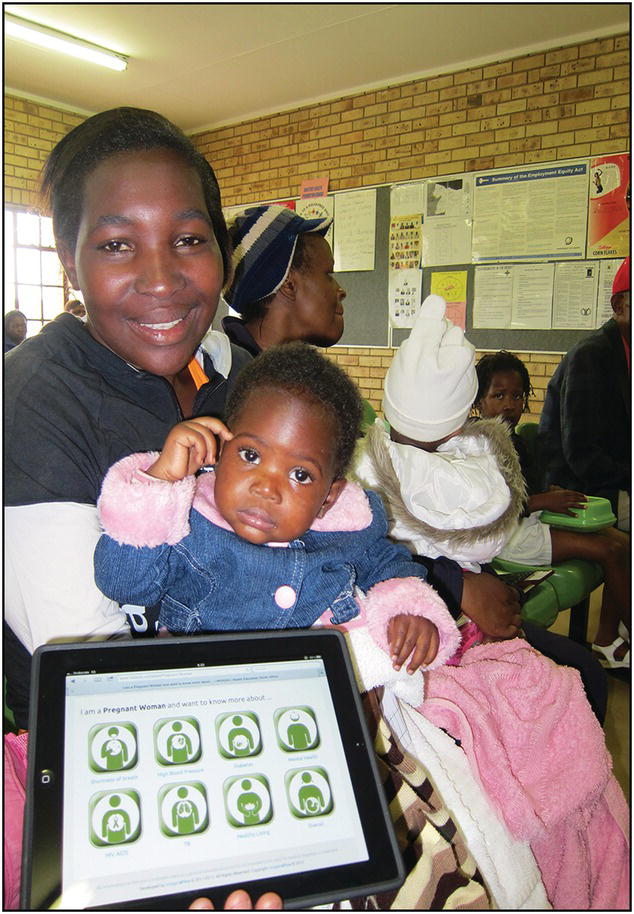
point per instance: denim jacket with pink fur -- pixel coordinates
(166, 543)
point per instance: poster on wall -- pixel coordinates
(575, 295)
(318, 208)
(514, 297)
(407, 198)
(608, 210)
(531, 214)
(493, 295)
(405, 242)
(607, 271)
(404, 297)
(355, 230)
(447, 221)
(452, 285)
(532, 302)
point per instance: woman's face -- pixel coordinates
(146, 259)
(318, 306)
(276, 475)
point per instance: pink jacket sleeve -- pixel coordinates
(138, 510)
(411, 596)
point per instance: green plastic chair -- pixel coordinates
(572, 582)
(569, 587)
(8, 720)
(368, 416)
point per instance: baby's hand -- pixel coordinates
(189, 446)
(412, 635)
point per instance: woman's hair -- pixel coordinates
(255, 310)
(301, 371)
(106, 134)
(501, 361)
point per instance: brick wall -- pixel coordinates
(368, 365)
(564, 103)
(30, 132)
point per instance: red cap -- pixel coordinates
(622, 279)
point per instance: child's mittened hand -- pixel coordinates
(189, 446)
(412, 635)
(561, 501)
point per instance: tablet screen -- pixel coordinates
(180, 779)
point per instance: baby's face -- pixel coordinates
(276, 474)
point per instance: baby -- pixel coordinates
(452, 489)
(274, 535)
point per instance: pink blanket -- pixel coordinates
(537, 748)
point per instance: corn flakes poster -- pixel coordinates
(609, 207)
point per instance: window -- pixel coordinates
(34, 280)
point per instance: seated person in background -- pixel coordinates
(75, 307)
(585, 429)
(504, 387)
(452, 489)
(202, 548)
(283, 286)
(14, 329)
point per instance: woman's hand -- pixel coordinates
(189, 446)
(413, 635)
(491, 604)
(240, 901)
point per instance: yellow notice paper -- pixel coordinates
(452, 285)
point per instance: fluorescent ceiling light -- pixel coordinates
(53, 40)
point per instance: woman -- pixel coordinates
(139, 230)
(283, 285)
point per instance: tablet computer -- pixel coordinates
(167, 769)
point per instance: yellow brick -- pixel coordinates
(510, 133)
(619, 130)
(440, 82)
(528, 63)
(452, 92)
(497, 69)
(599, 104)
(577, 66)
(612, 88)
(511, 107)
(616, 59)
(596, 133)
(574, 151)
(494, 149)
(560, 139)
(563, 82)
(595, 77)
(467, 76)
(505, 161)
(617, 116)
(561, 55)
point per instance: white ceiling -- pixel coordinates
(204, 65)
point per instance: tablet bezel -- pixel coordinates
(42, 847)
